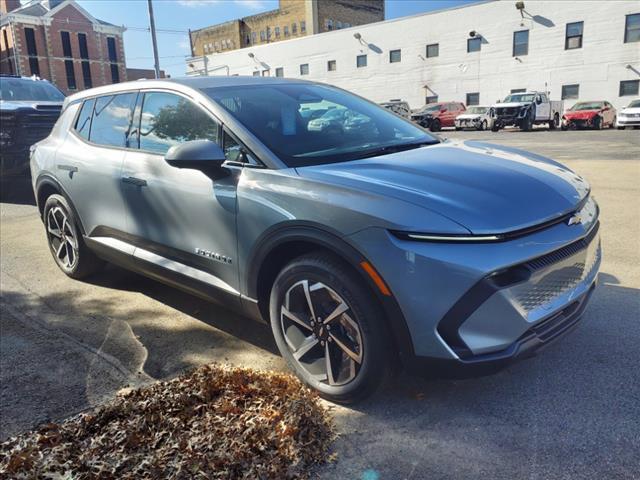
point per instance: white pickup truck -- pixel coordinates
(526, 109)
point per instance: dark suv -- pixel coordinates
(29, 107)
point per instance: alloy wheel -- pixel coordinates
(321, 333)
(62, 238)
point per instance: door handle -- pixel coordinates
(138, 182)
(68, 168)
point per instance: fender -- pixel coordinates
(46, 179)
(331, 240)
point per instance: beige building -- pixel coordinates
(293, 19)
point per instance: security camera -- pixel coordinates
(472, 33)
(357, 36)
(520, 5)
(251, 55)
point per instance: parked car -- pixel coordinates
(476, 117)
(358, 250)
(595, 115)
(399, 107)
(629, 116)
(435, 116)
(330, 122)
(524, 110)
(29, 107)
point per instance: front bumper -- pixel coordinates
(627, 121)
(423, 121)
(475, 307)
(467, 123)
(578, 122)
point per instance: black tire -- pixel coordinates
(553, 123)
(458, 129)
(495, 128)
(65, 240)
(613, 122)
(483, 125)
(597, 123)
(332, 280)
(435, 125)
(527, 124)
(620, 128)
(564, 128)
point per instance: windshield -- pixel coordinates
(433, 107)
(477, 110)
(634, 104)
(17, 89)
(519, 98)
(351, 128)
(586, 106)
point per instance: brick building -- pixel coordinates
(293, 19)
(60, 41)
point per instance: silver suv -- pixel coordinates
(361, 245)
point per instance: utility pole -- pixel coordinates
(152, 24)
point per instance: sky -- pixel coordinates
(174, 18)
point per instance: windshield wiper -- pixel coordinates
(386, 150)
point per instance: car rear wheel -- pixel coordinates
(435, 125)
(613, 122)
(329, 329)
(65, 241)
(553, 124)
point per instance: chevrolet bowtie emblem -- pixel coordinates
(574, 220)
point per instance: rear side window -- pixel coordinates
(169, 120)
(83, 124)
(112, 119)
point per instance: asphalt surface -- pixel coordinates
(573, 411)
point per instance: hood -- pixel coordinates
(511, 104)
(468, 116)
(486, 188)
(581, 115)
(630, 110)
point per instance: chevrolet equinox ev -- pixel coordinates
(366, 246)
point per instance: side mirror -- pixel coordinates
(203, 155)
(538, 100)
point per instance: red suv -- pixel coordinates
(434, 116)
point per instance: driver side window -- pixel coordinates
(168, 119)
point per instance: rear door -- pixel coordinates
(180, 219)
(89, 162)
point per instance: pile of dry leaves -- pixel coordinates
(214, 422)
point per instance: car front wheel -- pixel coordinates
(65, 241)
(435, 125)
(329, 329)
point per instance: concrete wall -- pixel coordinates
(598, 67)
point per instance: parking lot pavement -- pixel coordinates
(571, 412)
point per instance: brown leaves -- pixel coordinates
(215, 423)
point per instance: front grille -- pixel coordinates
(564, 252)
(506, 111)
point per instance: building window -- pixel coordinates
(328, 24)
(256, 73)
(111, 47)
(632, 28)
(32, 51)
(433, 50)
(573, 35)
(294, 28)
(395, 56)
(474, 44)
(279, 72)
(86, 74)
(115, 73)
(339, 24)
(431, 99)
(71, 75)
(473, 99)
(518, 90)
(286, 30)
(570, 91)
(248, 40)
(629, 87)
(263, 36)
(361, 61)
(303, 26)
(254, 37)
(82, 45)
(304, 69)
(520, 43)
(66, 44)
(331, 66)
(277, 30)
(268, 33)
(265, 73)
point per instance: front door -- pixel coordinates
(543, 108)
(180, 219)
